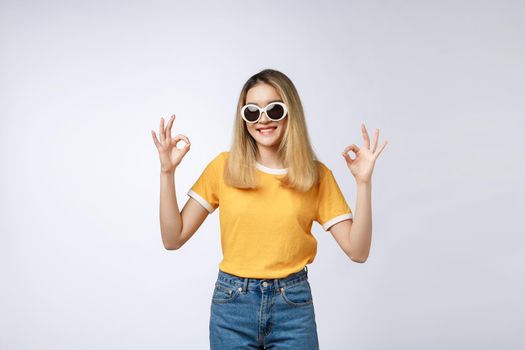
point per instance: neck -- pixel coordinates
(268, 156)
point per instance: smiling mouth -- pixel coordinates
(266, 131)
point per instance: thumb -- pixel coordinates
(347, 158)
(186, 148)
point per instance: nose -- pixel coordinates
(264, 117)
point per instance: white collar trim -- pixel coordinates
(270, 170)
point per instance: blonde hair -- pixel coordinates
(294, 149)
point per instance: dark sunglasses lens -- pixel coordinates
(275, 111)
(251, 113)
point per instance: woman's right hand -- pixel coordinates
(170, 156)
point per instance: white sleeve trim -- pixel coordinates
(337, 219)
(202, 201)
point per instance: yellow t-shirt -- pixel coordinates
(265, 233)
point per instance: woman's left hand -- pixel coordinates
(363, 163)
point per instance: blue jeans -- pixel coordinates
(250, 313)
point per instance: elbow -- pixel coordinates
(171, 246)
(358, 259)
(170, 240)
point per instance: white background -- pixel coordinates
(82, 264)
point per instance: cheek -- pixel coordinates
(251, 130)
(283, 128)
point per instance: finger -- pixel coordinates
(381, 148)
(161, 130)
(170, 123)
(155, 140)
(178, 138)
(352, 147)
(185, 149)
(167, 135)
(376, 137)
(181, 137)
(185, 139)
(347, 157)
(365, 136)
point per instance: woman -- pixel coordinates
(270, 188)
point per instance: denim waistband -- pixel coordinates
(269, 283)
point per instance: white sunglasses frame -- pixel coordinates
(261, 110)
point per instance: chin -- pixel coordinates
(269, 143)
(265, 141)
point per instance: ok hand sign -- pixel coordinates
(170, 156)
(363, 163)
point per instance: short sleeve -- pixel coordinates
(206, 189)
(332, 206)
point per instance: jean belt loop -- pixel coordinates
(245, 287)
(277, 284)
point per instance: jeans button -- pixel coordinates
(265, 284)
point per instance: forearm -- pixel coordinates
(170, 217)
(361, 231)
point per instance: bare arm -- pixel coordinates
(355, 236)
(193, 215)
(177, 227)
(169, 213)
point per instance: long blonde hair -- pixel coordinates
(294, 149)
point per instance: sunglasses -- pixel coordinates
(275, 111)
